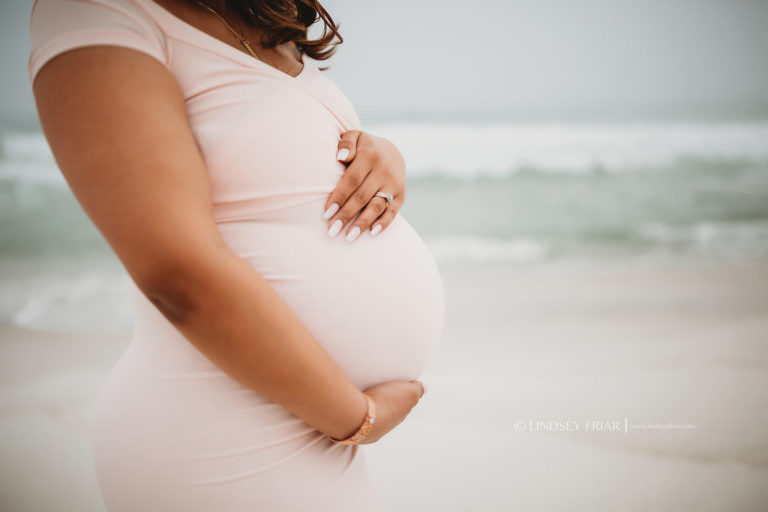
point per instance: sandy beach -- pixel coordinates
(557, 386)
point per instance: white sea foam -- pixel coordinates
(742, 240)
(100, 300)
(26, 158)
(25, 146)
(470, 150)
(30, 172)
(484, 250)
(464, 151)
(97, 300)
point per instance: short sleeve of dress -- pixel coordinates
(56, 26)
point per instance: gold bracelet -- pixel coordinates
(364, 429)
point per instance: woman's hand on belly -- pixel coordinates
(394, 401)
(375, 165)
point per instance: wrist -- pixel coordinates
(364, 428)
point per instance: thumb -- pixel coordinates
(422, 386)
(348, 146)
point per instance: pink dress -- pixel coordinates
(173, 432)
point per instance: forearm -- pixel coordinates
(236, 319)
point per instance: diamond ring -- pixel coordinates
(388, 197)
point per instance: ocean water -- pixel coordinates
(500, 194)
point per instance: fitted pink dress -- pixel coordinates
(174, 432)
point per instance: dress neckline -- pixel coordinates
(219, 46)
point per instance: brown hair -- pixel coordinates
(282, 21)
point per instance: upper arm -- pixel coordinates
(116, 122)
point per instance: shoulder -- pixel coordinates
(56, 26)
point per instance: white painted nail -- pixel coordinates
(335, 227)
(354, 233)
(330, 211)
(376, 229)
(342, 154)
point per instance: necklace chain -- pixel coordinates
(242, 39)
(246, 44)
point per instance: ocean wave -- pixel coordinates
(26, 158)
(742, 240)
(97, 299)
(469, 152)
(25, 172)
(466, 151)
(24, 147)
(705, 232)
(484, 250)
(94, 300)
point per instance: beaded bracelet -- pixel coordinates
(364, 429)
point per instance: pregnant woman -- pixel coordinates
(284, 310)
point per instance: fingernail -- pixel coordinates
(353, 234)
(376, 229)
(335, 227)
(330, 211)
(342, 154)
(425, 387)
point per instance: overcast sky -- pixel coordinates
(517, 60)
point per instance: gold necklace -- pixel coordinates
(242, 40)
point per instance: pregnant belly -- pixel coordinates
(376, 305)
